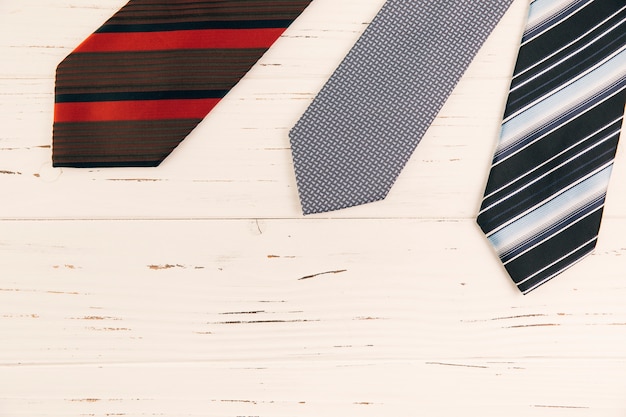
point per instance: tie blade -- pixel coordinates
(332, 183)
(538, 270)
(546, 241)
(133, 90)
(134, 108)
(545, 195)
(124, 143)
(361, 129)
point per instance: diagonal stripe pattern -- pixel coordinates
(358, 133)
(133, 90)
(545, 194)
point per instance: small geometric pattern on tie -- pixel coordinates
(360, 130)
(545, 194)
(133, 90)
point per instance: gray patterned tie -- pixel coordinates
(352, 142)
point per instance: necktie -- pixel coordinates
(545, 193)
(358, 133)
(132, 91)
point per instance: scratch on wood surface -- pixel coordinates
(84, 400)
(136, 179)
(519, 316)
(457, 364)
(166, 266)
(26, 148)
(96, 318)
(22, 316)
(245, 312)
(280, 256)
(155, 267)
(506, 363)
(46, 292)
(351, 346)
(10, 172)
(66, 266)
(533, 325)
(560, 406)
(263, 321)
(63, 292)
(95, 400)
(339, 271)
(240, 401)
(110, 329)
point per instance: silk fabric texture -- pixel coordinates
(133, 90)
(545, 195)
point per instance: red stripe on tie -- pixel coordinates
(180, 39)
(100, 111)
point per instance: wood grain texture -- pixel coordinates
(198, 289)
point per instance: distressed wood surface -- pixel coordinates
(198, 289)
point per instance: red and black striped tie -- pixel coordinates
(133, 90)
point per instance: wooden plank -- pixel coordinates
(525, 387)
(152, 291)
(198, 289)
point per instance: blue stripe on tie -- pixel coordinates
(540, 6)
(558, 204)
(533, 115)
(555, 100)
(545, 234)
(557, 123)
(569, 171)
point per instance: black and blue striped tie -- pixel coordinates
(545, 194)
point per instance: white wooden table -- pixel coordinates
(198, 289)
